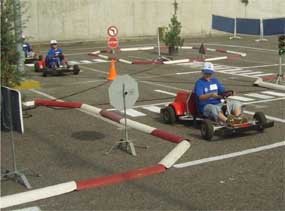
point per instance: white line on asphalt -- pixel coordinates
(85, 61)
(228, 70)
(274, 93)
(230, 155)
(266, 65)
(261, 96)
(134, 113)
(252, 73)
(239, 98)
(154, 109)
(165, 92)
(92, 69)
(236, 73)
(264, 101)
(43, 94)
(264, 74)
(267, 116)
(185, 73)
(73, 62)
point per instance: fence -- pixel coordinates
(247, 26)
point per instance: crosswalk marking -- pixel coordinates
(239, 98)
(230, 70)
(85, 61)
(261, 96)
(154, 109)
(278, 94)
(252, 73)
(264, 74)
(134, 113)
(238, 72)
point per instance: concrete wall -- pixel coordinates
(89, 19)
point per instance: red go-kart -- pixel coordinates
(55, 68)
(185, 108)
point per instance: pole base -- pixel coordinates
(234, 37)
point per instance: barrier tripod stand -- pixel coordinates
(15, 174)
(280, 75)
(125, 143)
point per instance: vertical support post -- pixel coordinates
(280, 75)
(235, 31)
(18, 33)
(261, 35)
(158, 44)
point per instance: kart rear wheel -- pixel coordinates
(37, 67)
(260, 120)
(207, 130)
(168, 115)
(76, 69)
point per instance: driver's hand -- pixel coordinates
(215, 95)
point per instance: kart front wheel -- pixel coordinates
(207, 130)
(76, 69)
(168, 115)
(260, 120)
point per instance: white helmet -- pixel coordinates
(53, 42)
(208, 68)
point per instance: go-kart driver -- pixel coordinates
(55, 55)
(209, 91)
(27, 48)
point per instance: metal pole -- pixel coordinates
(18, 33)
(280, 73)
(158, 44)
(125, 112)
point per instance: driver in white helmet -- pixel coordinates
(55, 55)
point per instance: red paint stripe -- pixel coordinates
(111, 115)
(118, 178)
(221, 50)
(167, 136)
(54, 103)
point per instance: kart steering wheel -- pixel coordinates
(227, 93)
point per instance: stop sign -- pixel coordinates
(113, 42)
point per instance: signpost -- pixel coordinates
(123, 94)
(113, 41)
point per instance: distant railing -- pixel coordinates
(248, 26)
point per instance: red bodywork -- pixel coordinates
(180, 103)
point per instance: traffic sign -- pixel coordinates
(113, 42)
(124, 88)
(112, 31)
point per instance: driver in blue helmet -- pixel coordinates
(209, 90)
(54, 56)
(27, 48)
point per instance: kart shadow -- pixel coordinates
(88, 135)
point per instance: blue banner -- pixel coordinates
(274, 26)
(223, 23)
(248, 26)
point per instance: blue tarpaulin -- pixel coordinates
(248, 26)
(274, 26)
(223, 23)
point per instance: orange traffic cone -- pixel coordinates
(112, 71)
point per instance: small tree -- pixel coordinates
(9, 55)
(172, 37)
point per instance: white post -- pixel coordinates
(235, 31)
(261, 38)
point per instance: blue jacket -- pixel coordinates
(26, 48)
(54, 53)
(203, 86)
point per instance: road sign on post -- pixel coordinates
(112, 31)
(123, 94)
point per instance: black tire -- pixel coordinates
(168, 115)
(207, 130)
(37, 67)
(260, 120)
(76, 69)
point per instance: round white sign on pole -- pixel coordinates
(116, 94)
(112, 31)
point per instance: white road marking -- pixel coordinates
(73, 62)
(152, 108)
(267, 65)
(251, 73)
(261, 96)
(230, 155)
(264, 74)
(239, 98)
(94, 70)
(229, 70)
(85, 61)
(267, 116)
(278, 94)
(29, 65)
(236, 73)
(185, 73)
(165, 92)
(43, 94)
(134, 113)
(99, 60)
(264, 101)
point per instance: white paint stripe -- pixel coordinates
(43, 94)
(137, 49)
(278, 94)
(73, 62)
(185, 73)
(239, 98)
(267, 116)
(267, 65)
(261, 96)
(236, 52)
(94, 70)
(165, 92)
(85, 61)
(230, 155)
(264, 74)
(154, 109)
(175, 154)
(264, 101)
(252, 73)
(99, 60)
(125, 61)
(29, 65)
(134, 113)
(229, 70)
(37, 194)
(216, 58)
(211, 49)
(103, 56)
(224, 67)
(186, 47)
(236, 73)
(176, 61)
